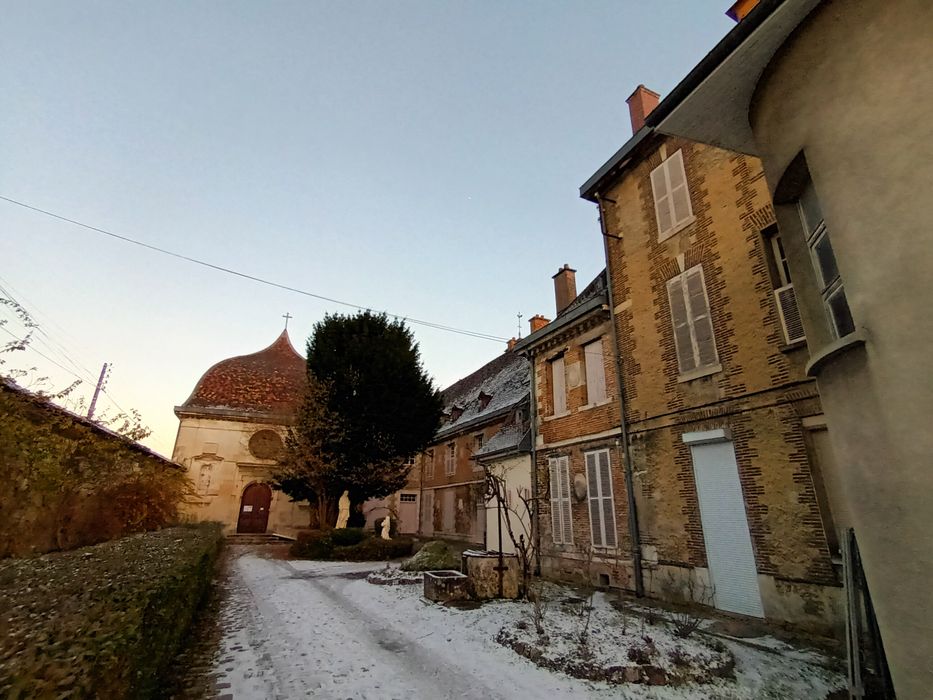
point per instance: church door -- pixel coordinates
(254, 508)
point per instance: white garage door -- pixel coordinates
(725, 526)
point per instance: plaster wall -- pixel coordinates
(516, 473)
(851, 91)
(219, 463)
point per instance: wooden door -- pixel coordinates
(254, 508)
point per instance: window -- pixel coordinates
(599, 490)
(407, 497)
(558, 386)
(693, 327)
(595, 372)
(450, 458)
(784, 295)
(671, 197)
(410, 462)
(561, 526)
(478, 441)
(824, 261)
(429, 464)
(204, 478)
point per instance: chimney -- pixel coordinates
(538, 322)
(512, 342)
(740, 8)
(565, 287)
(640, 104)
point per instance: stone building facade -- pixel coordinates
(231, 433)
(725, 431)
(578, 467)
(477, 408)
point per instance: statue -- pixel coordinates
(385, 527)
(343, 514)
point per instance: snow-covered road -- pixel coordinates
(294, 629)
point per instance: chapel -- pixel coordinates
(231, 434)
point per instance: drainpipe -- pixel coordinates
(532, 423)
(626, 444)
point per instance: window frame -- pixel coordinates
(674, 160)
(698, 370)
(562, 513)
(428, 463)
(450, 458)
(600, 497)
(554, 363)
(601, 365)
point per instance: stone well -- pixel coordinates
(481, 568)
(445, 586)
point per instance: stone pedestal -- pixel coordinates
(482, 570)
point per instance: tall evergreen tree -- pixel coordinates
(370, 407)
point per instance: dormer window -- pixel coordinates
(455, 413)
(484, 400)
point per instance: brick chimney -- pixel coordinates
(740, 8)
(565, 287)
(512, 342)
(640, 104)
(538, 322)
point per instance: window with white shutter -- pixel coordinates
(559, 476)
(595, 372)
(450, 458)
(429, 464)
(671, 196)
(601, 506)
(784, 295)
(559, 386)
(693, 326)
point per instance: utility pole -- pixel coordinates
(100, 385)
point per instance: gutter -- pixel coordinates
(626, 443)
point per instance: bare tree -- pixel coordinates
(518, 520)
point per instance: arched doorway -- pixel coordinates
(254, 508)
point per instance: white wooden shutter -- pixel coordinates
(559, 384)
(595, 372)
(565, 511)
(601, 505)
(789, 313)
(679, 194)
(554, 478)
(662, 199)
(700, 320)
(683, 339)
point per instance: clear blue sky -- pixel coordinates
(416, 157)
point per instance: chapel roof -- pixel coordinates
(271, 381)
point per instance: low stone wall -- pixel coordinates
(482, 570)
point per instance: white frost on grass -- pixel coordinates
(318, 629)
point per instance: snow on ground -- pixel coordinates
(296, 629)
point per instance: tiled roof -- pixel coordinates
(506, 381)
(269, 381)
(508, 439)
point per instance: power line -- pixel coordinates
(229, 271)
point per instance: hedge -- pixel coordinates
(350, 544)
(102, 621)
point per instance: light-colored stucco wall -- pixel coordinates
(221, 447)
(515, 472)
(851, 90)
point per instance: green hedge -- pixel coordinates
(102, 621)
(348, 544)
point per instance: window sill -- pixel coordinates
(554, 416)
(699, 373)
(677, 229)
(791, 347)
(830, 352)
(588, 406)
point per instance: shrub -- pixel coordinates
(433, 556)
(102, 621)
(374, 549)
(312, 544)
(348, 536)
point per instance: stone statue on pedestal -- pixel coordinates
(343, 510)
(385, 527)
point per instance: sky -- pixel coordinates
(420, 158)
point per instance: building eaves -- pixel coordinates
(562, 321)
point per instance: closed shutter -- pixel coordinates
(565, 511)
(700, 318)
(554, 477)
(680, 196)
(559, 384)
(682, 335)
(671, 195)
(601, 505)
(427, 513)
(595, 372)
(790, 314)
